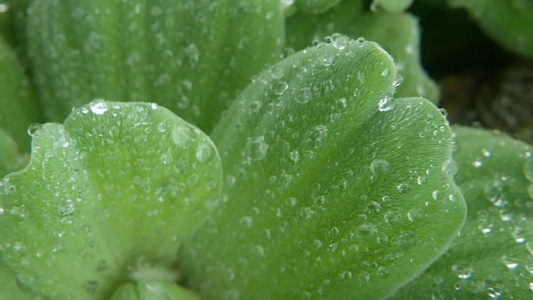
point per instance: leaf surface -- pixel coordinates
(328, 184)
(189, 56)
(397, 32)
(112, 192)
(508, 22)
(18, 103)
(493, 256)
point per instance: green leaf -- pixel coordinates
(397, 32)
(19, 108)
(391, 5)
(493, 256)
(10, 159)
(107, 197)
(508, 22)
(328, 184)
(10, 289)
(315, 6)
(189, 56)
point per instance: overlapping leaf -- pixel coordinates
(18, 106)
(107, 198)
(508, 22)
(493, 256)
(397, 32)
(333, 190)
(189, 56)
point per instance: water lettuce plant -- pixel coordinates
(230, 149)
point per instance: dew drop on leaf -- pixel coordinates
(392, 217)
(379, 168)
(204, 152)
(385, 104)
(256, 148)
(99, 107)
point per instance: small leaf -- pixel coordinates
(493, 256)
(19, 108)
(112, 192)
(189, 56)
(398, 32)
(499, 18)
(328, 184)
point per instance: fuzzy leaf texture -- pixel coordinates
(493, 256)
(328, 184)
(397, 32)
(106, 198)
(189, 56)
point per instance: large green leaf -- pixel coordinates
(510, 22)
(189, 56)
(328, 184)
(397, 32)
(493, 256)
(18, 106)
(107, 197)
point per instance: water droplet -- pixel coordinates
(280, 87)
(34, 128)
(182, 136)
(379, 168)
(246, 221)
(383, 271)
(450, 167)
(305, 95)
(373, 207)
(518, 235)
(192, 54)
(65, 211)
(510, 262)
(385, 104)
(294, 155)
(367, 229)
(477, 164)
(317, 243)
(291, 201)
(407, 240)
(403, 187)
(463, 270)
(392, 217)
(99, 107)
(204, 152)
(256, 148)
(327, 61)
(385, 72)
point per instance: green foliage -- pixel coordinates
(73, 207)
(493, 256)
(328, 183)
(508, 22)
(397, 32)
(17, 101)
(191, 57)
(328, 176)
